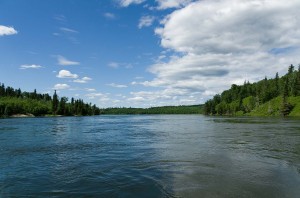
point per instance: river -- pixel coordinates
(150, 156)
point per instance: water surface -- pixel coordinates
(149, 156)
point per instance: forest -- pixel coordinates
(14, 101)
(191, 109)
(268, 97)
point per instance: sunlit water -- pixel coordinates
(149, 156)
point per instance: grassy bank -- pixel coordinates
(274, 106)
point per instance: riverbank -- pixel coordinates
(27, 115)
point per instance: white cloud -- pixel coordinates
(60, 18)
(168, 96)
(30, 66)
(79, 81)
(217, 43)
(87, 78)
(61, 86)
(117, 85)
(68, 30)
(100, 96)
(126, 3)
(90, 89)
(63, 61)
(116, 65)
(66, 74)
(69, 34)
(82, 80)
(5, 30)
(146, 21)
(165, 4)
(109, 15)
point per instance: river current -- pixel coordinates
(150, 156)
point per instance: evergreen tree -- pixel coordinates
(247, 97)
(276, 91)
(286, 107)
(62, 106)
(291, 69)
(55, 103)
(297, 83)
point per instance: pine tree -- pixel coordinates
(276, 91)
(55, 103)
(297, 83)
(62, 106)
(291, 69)
(286, 107)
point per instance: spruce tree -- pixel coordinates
(276, 91)
(286, 107)
(54, 103)
(297, 83)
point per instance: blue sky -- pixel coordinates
(143, 53)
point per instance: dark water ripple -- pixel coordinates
(149, 156)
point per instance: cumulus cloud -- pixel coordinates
(117, 85)
(30, 66)
(165, 4)
(66, 74)
(5, 30)
(146, 21)
(82, 80)
(61, 86)
(65, 62)
(218, 43)
(126, 3)
(87, 78)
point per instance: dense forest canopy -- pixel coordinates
(244, 99)
(14, 101)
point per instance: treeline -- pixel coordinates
(192, 109)
(14, 101)
(239, 100)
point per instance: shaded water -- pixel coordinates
(149, 156)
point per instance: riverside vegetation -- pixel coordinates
(184, 109)
(14, 101)
(268, 97)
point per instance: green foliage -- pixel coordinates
(55, 103)
(10, 106)
(268, 97)
(249, 103)
(194, 109)
(14, 101)
(295, 102)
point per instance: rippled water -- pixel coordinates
(149, 156)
